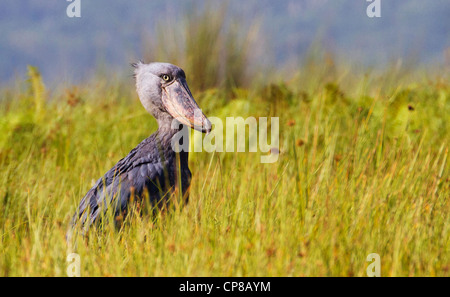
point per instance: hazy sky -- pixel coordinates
(112, 32)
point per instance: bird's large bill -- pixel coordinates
(180, 103)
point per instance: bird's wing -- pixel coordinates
(134, 173)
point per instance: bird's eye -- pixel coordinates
(166, 77)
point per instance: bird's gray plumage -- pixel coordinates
(152, 167)
(145, 168)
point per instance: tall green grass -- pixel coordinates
(363, 168)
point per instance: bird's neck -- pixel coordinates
(171, 134)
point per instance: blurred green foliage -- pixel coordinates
(213, 48)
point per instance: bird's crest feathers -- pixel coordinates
(136, 66)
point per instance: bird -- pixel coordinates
(154, 169)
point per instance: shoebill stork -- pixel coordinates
(152, 167)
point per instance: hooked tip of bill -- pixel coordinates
(207, 126)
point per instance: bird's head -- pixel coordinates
(164, 93)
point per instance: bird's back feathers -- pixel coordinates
(148, 168)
